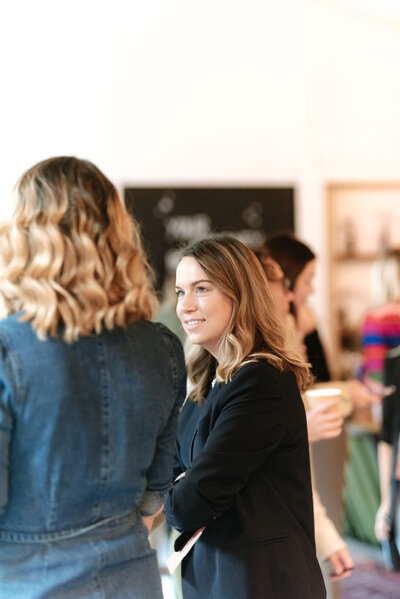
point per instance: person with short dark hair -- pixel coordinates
(329, 544)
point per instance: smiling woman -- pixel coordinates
(242, 465)
(202, 308)
(253, 329)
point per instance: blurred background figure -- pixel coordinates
(381, 326)
(387, 521)
(298, 264)
(380, 369)
(90, 391)
(321, 424)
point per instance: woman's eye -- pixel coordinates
(179, 293)
(200, 289)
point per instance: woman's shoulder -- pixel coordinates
(256, 377)
(259, 382)
(170, 340)
(161, 342)
(14, 330)
(151, 331)
(257, 367)
(166, 333)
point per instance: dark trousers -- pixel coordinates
(391, 547)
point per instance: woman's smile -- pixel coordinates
(191, 324)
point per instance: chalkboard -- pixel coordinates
(170, 218)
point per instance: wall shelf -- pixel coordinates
(363, 219)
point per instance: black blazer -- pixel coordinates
(245, 454)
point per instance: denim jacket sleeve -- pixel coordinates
(159, 475)
(7, 385)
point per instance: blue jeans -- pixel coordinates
(114, 561)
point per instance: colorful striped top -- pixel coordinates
(380, 332)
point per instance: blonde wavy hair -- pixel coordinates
(254, 331)
(71, 257)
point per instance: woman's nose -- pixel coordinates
(188, 303)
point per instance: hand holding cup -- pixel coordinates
(324, 417)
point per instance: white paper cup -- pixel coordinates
(317, 396)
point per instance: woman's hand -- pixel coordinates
(382, 527)
(148, 520)
(342, 564)
(322, 424)
(361, 396)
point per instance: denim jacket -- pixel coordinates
(87, 429)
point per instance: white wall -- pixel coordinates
(295, 92)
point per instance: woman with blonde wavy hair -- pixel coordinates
(90, 392)
(242, 473)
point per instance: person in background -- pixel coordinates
(380, 367)
(298, 263)
(242, 463)
(90, 392)
(381, 326)
(321, 425)
(387, 520)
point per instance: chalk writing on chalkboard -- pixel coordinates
(170, 218)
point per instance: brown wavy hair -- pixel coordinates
(71, 257)
(254, 330)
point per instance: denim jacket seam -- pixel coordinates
(163, 489)
(105, 412)
(15, 367)
(46, 536)
(167, 336)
